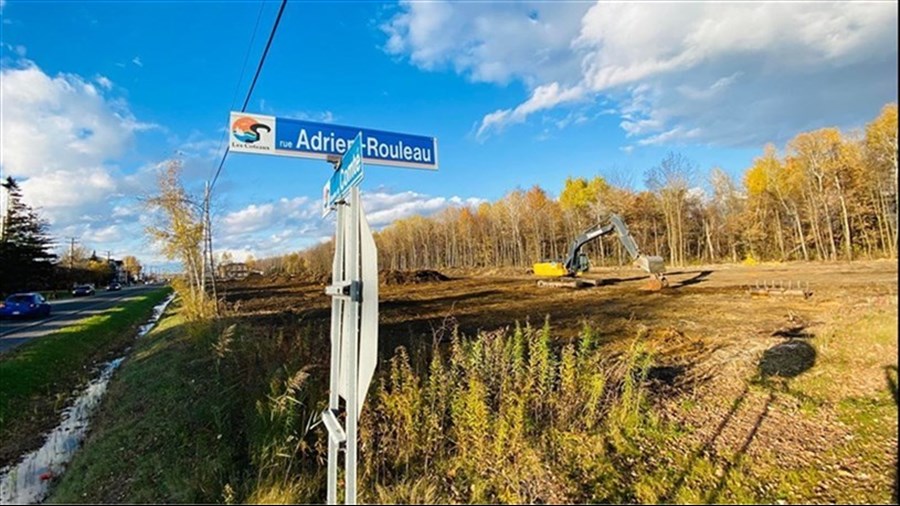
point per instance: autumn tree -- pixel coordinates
(826, 195)
(880, 152)
(179, 232)
(722, 217)
(670, 180)
(132, 266)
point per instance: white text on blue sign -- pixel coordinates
(255, 133)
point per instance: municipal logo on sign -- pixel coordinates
(252, 133)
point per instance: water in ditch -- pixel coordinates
(28, 482)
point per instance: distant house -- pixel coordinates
(233, 270)
(120, 274)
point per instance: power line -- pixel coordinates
(240, 80)
(259, 67)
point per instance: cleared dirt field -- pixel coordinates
(779, 397)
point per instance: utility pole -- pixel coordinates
(209, 259)
(4, 220)
(71, 252)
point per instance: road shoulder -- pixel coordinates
(39, 377)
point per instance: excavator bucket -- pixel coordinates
(651, 264)
(656, 266)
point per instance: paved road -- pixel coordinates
(62, 314)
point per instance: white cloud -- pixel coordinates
(60, 137)
(383, 208)
(249, 219)
(291, 224)
(74, 193)
(55, 123)
(318, 116)
(488, 42)
(254, 218)
(104, 82)
(704, 72)
(103, 235)
(19, 50)
(321, 117)
(125, 211)
(137, 61)
(542, 98)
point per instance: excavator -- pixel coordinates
(567, 272)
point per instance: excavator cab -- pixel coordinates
(581, 264)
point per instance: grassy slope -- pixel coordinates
(162, 434)
(201, 413)
(38, 376)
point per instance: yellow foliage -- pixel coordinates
(578, 193)
(755, 180)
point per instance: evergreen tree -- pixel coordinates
(26, 257)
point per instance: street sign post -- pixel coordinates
(354, 281)
(354, 316)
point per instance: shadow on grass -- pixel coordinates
(699, 278)
(616, 281)
(707, 445)
(787, 360)
(714, 497)
(781, 362)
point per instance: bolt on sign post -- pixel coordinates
(354, 283)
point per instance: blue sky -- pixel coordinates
(97, 94)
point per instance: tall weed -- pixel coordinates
(509, 417)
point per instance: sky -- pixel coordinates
(95, 97)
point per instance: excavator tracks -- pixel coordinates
(567, 283)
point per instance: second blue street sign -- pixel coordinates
(348, 175)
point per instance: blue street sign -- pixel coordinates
(350, 174)
(256, 133)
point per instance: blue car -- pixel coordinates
(24, 305)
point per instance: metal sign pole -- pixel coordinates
(353, 333)
(336, 314)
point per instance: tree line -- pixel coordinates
(828, 195)
(27, 260)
